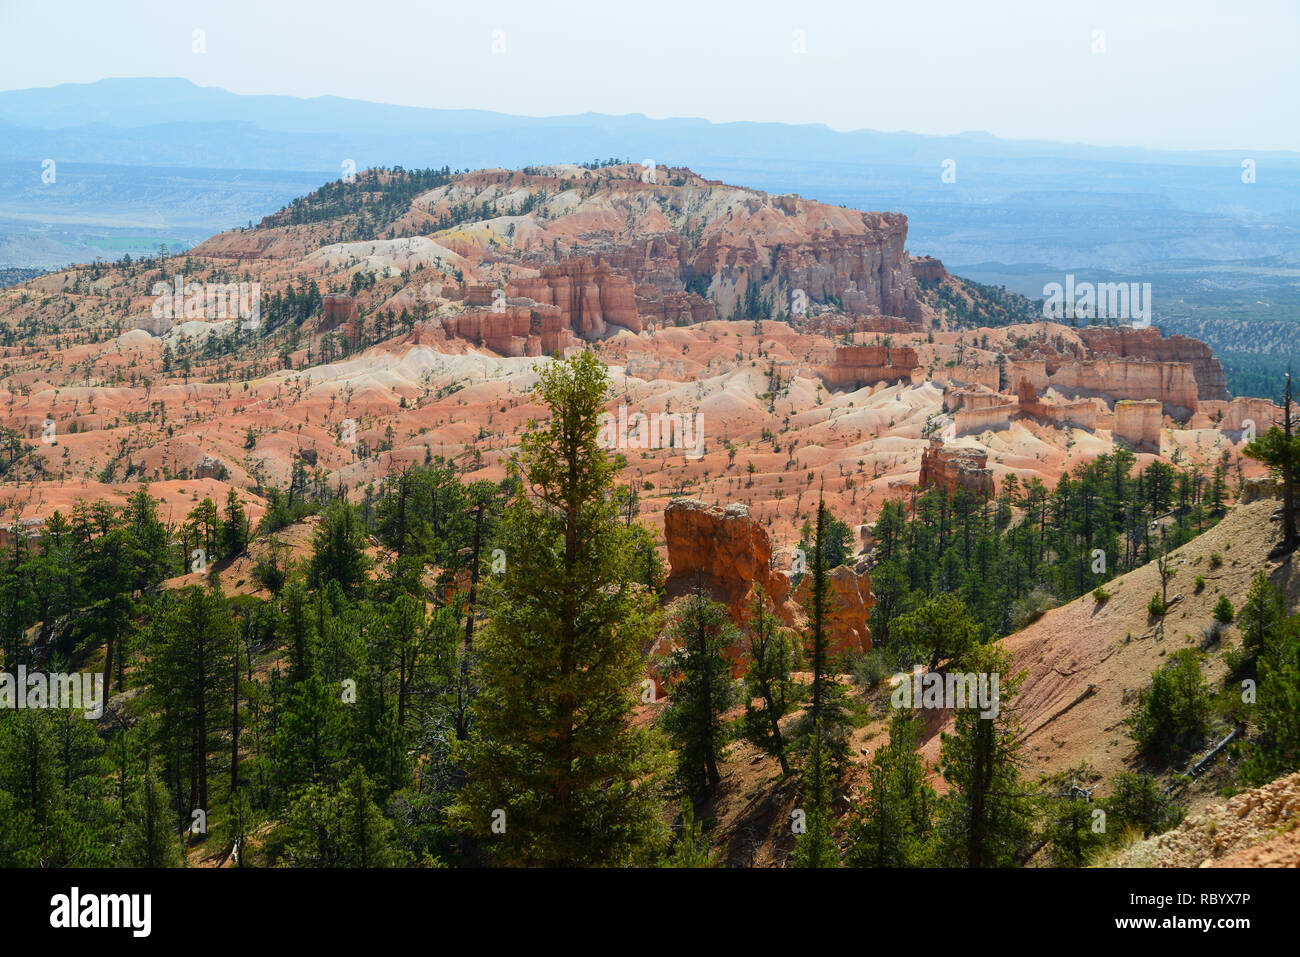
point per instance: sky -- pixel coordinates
(1191, 74)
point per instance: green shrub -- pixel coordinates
(1100, 595)
(1031, 607)
(1137, 801)
(871, 668)
(1156, 606)
(1172, 715)
(1223, 611)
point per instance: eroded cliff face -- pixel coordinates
(519, 327)
(730, 556)
(590, 297)
(1148, 344)
(1171, 383)
(723, 549)
(1138, 423)
(1236, 416)
(978, 410)
(955, 468)
(676, 236)
(866, 270)
(858, 366)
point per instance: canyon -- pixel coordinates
(821, 356)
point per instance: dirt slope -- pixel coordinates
(1086, 661)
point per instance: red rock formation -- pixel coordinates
(729, 554)
(657, 310)
(1147, 343)
(1138, 423)
(889, 325)
(968, 376)
(725, 549)
(338, 309)
(1172, 383)
(683, 228)
(849, 603)
(517, 328)
(1231, 417)
(927, 268)
(954, 468)
(590, 297)
(858, 366)
(1083, 414)
(867, 273)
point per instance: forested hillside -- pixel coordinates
(456, 674)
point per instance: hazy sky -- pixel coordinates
(1185, 74)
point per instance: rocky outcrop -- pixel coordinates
(1232, 418)
(968, 376)
(518, 327)
(154, 325)
(729, 554)
(678, 232)
(848, 604)
(1148, 344)
(927, 269)
(657, 310)
(955, 468)
(211, 467)
(1171, 383)
(975, 410)
(866, 272)
(1260, 487)
(337, 309)
(1138, 423)
(723, 549)
(1254, 828)
(590, 296)
(857, 366)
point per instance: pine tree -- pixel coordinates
(338, 550)
(940, 629)
(816, 846)
(1279, 449)
(700, 690)
(984, 820)
(191, 644)
(1071, 833)
(691, 846)
(339, 825)
(1277, 748)
(892, 824)
(234, 530)
(1260, 615)
(149, 840)
(1138, 802)
(826, 706)
(1218, 492)
(773, 656)
(1172, 715)
(557, 773)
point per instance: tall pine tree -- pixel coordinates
(700, 690)
(558, 774)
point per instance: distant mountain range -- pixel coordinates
(1004, 201)
(144, 161)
